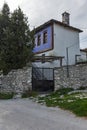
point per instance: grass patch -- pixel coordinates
(75, 102)
(79, 106)
(6, 95)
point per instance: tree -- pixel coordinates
(4, 22)
(17, 39)
(4, 28)
(20, 38)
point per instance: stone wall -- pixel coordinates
(16, 80)
(20, 80)
(77, 77)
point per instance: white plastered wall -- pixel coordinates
(63, 38)
(66, 38)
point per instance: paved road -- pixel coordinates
(23, 114)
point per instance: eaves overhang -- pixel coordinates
(52, 21)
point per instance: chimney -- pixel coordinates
(65, 18)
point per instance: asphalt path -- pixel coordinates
(24, 114)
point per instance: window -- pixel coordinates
(39, 40)
(35, 39)
(45, 37)
(43, 58)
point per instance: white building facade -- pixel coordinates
(56, 43)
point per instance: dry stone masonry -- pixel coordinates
(16, 80)
(20, 80)
(77, 76)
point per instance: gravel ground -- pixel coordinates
(23, 114)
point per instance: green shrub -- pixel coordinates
(63, 91)
(6, 95)
(81, 88)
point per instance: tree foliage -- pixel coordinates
(16, 40)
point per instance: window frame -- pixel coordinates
(39, 40)
(35, 41)
(45, 37)
(43, 58)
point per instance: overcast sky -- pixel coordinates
(40, 11)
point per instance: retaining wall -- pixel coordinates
(77, 76)
(20, 80)
(16, 80)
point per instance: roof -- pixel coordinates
(52, 21)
